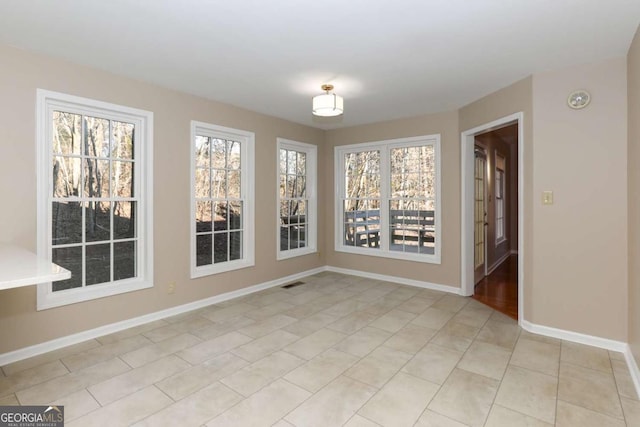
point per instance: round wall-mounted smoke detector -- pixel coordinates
(578, 99)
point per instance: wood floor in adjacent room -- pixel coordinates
(499, 290)
(337, 350)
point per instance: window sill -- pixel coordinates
(282, 255)
(210, 270)
(380, 253)
(48, 299)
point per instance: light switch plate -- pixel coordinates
(547, 197)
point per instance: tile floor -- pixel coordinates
(338, 350)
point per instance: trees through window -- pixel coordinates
(388, 198)
(95, 154)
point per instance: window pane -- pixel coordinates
(234, 161)
(218, 184)
(203, 216)
(203, 183)
(291, 162)
(302, 233)
(66, 223)
(235, 245)
(202, 151)
(362, 174)
(291, 186)
(301, 168)
(283, 186)
(220, 247)
(66, 176)
(284, 238)
(283, 161)
(67, 133)
(98, 221)
(235, 215)
(124, 260)
(124, 220)
(221, 216)
(233, 180)
(96, 137)
(98, 262)
(123, 140)
(71, 259)
(203, 249)
(96, 178)
(301, 188)
(122, 179)
(218, 153)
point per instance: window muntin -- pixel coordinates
(387, 198)
(94, 220)
(296, 231)
(221, 199)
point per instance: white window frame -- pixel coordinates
(502, 198)
(46, 102)
(311, 180)
(247, 190)
(385, 183)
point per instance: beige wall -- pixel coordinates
(633, 159)
(580, 242)
(20, 75)
(515, 98)
(445, 124)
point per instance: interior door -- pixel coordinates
(480, 215)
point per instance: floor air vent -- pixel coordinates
(293, 285)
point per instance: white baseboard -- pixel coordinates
(576, 337)
(498, 263)
(401, 280)
(34, 350)
(633, 368)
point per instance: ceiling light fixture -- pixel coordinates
(328, 104)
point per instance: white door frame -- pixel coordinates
(466, 204)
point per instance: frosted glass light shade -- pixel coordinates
(328, 105)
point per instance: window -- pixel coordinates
(500, 205)
(296, 199)
(388, 196)
(94, 197)
(221, 199)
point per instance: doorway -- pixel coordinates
(492, 210)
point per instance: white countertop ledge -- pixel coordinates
(20, 267)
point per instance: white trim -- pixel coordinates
(384, 146)
(467, 139)
(576, 337)
(498, 263)
(633, 368)
(57, 343)
(394, 279)
(247, 182)
(311, 179)
(46, 101)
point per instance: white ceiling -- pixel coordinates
(388, 59)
